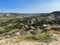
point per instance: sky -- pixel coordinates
(29, 6)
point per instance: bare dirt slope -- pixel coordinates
(19, 41)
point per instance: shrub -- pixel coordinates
(42, 37)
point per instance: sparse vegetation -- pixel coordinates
(32, 28)
(42, 37)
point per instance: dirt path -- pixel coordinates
(57, 36)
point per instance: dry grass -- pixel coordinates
(53, 31)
